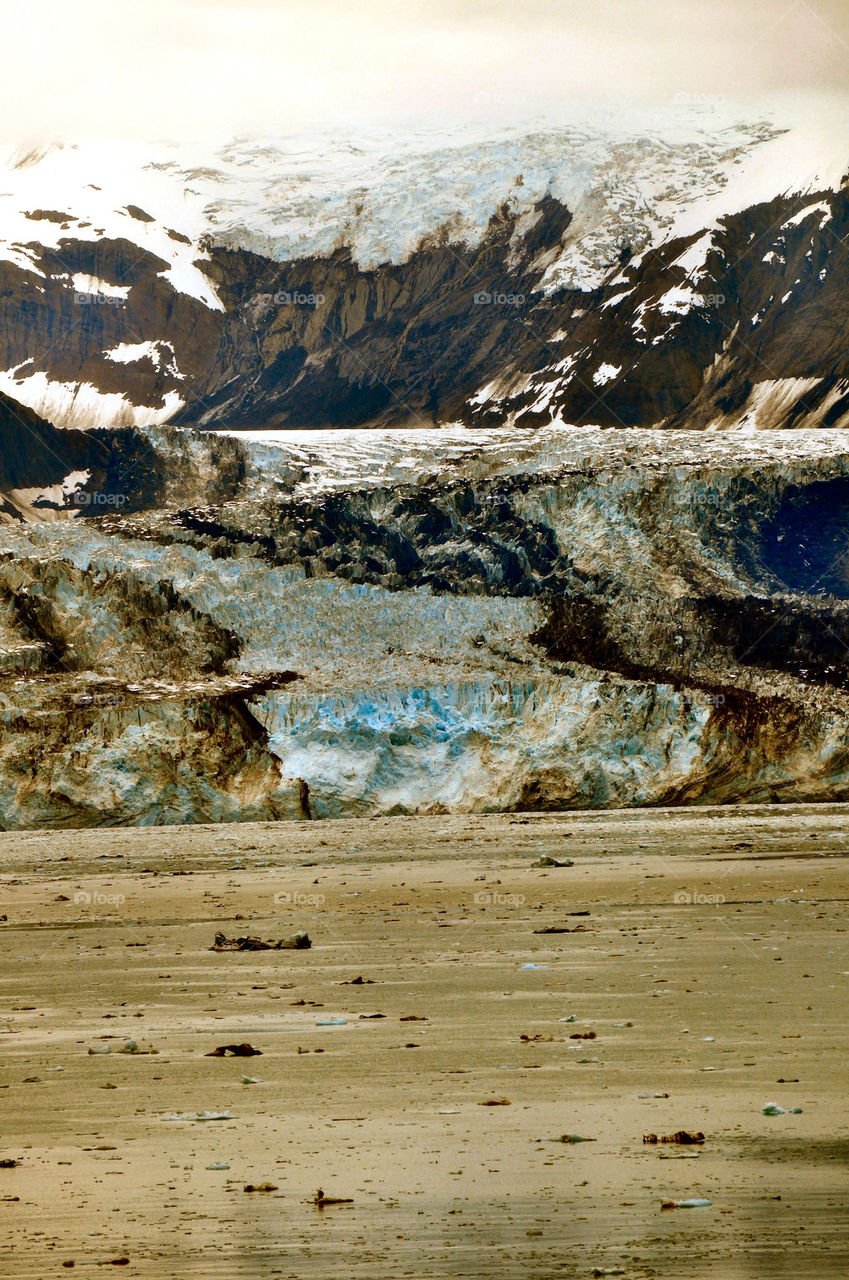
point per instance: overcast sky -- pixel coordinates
(185, 68)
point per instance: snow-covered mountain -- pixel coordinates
(381, 194)
(333, 281)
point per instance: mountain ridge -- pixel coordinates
(111, 316)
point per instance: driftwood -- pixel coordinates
(297, 942)
(320, 1199)
(237, 1050)
(680, 1139)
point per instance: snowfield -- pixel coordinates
(627, 179)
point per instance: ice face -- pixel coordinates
(586, 619)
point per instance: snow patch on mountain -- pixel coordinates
(606, 373)
(80, 404)
(160, 354)
(95, 287)
(811, 211)
(99, 191)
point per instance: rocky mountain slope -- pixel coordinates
(622, 277)
(50, 474)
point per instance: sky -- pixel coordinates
(171, 69)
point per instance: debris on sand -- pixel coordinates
(262, 1186)
(132, 1047)
(9, 1164)
(562, 928)
(686, 1204)
(583, 1035)
(682, 1138)
(495, 1102)
(201, 1115)
(297, 942)
(237, 1050)
(320, 1199)
(571, 1138)
(357, 982)
(773, 1109)
(553, 862)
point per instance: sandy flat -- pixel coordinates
(706, 949)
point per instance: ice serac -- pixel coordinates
(356, 623)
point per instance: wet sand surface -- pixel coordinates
(707, 950)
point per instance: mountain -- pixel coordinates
(633, 274)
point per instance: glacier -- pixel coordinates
(434, 623)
